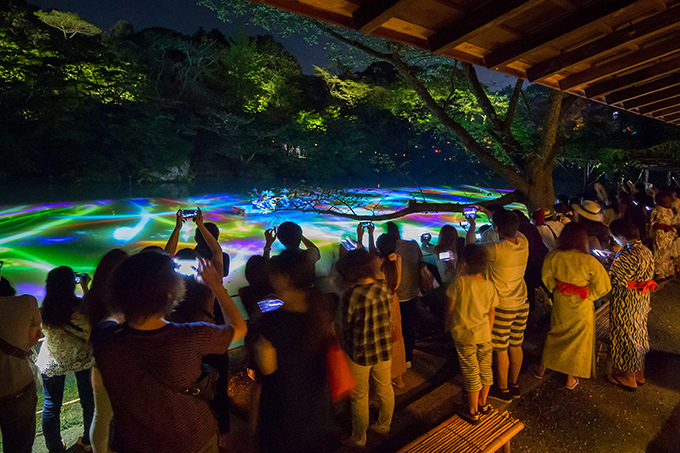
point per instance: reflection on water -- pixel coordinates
(37, 238)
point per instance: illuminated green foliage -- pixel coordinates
(70, 24)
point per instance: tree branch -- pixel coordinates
(507, 140)
(412, 208)
(356, 44)
(466, 138)
(512, 107)
(549, 141)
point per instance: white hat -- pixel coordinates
(589, 209)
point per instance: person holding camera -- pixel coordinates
(290, 235)
(19, 332)
(208, 247)
(66, 350)
(152, 367)
(507, 265)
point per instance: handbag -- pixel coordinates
(339, 376)
(426, 283)
(30, 356)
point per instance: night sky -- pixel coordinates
(186, 16)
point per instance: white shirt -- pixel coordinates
(507, 264)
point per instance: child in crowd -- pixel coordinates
(470, 316)
(662, 230)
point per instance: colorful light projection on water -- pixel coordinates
(35, 239)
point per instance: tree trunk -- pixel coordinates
(541, 194)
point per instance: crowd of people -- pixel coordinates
(148, 343)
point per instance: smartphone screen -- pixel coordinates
(469, 212)
(349, 244)
(464, 224)
(188, 268)
(445, 256)
(269, 305)
(366, 224)
(79, 277)
(425, 237)
(189, 213)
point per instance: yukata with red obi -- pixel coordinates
(576, 281)
(631, 275)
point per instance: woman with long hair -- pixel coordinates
(446, 253)
(576, 280)
(96, 307)
(66, 350)
(391, 268)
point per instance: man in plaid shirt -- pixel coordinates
(366, 338)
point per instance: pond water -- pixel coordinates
(36, 238)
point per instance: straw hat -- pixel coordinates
(590, 210)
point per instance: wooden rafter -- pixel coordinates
(656, 106)
(652, 98)
(659, 50)
(652, 25)
(491, 14)
(641, 90)
(373, 13)
(635, 78)
(552, 31)
(673, 117)
(666, 112)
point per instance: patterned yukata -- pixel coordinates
(629, 308)
(664, 264)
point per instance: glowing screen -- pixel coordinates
(35, 239)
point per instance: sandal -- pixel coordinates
(534, 370)
(485, 409)
(573, 386)
(616, 382)
(472, 419)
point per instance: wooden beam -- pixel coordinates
(655, 107)
(659, 50)
(634, 78)
(373, 13)
(666, 112)
(553, 30)
(652, 98)
(673, 117)
(654, 24)
(489, 15)
(641, 90)
(309, 11)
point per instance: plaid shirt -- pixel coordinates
(366, 328)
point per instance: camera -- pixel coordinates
(80, 277)
(445, 256)
(188, 268)
(469, 212)
(366, 224)
(465, 224)
(425, 237)
(189, 213)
